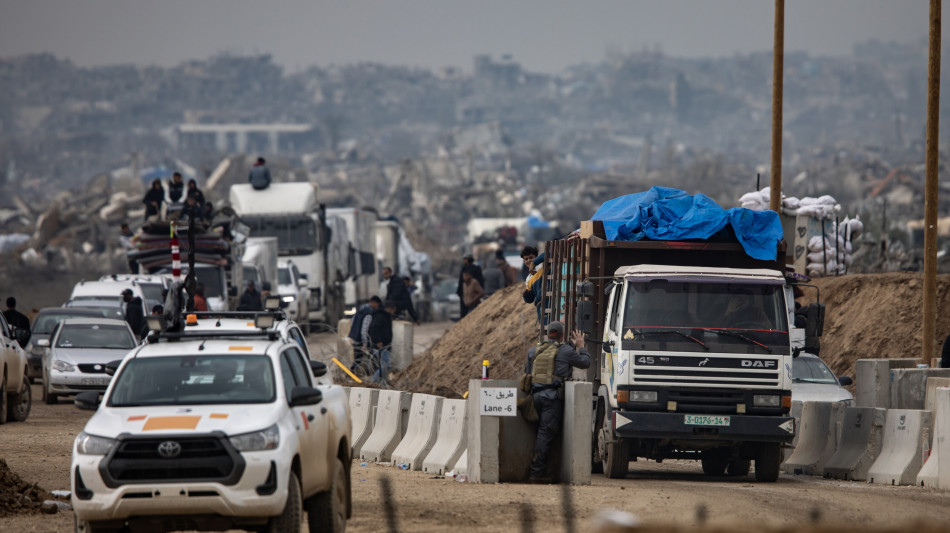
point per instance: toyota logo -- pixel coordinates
(169, 449)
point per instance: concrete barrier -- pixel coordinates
(421, 432)
(930, 472)
(873, 381)
(862, 432)
(401, 352)
(450, 443)
(362, 404)
(909, 386)
(933, 383)
(389, 428)
(499, 447)
(461, 466)
(576, 433)
(818, 440)
(906, 443)
(796, 413)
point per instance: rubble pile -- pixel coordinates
(500, 329)
(18, 496)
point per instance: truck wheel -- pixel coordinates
(290, 520)
(739, 468)
(326, 511)
(714, 462)
(767, 463)
(596, 451)
(3, 399)
(21, 403)
(616, 453)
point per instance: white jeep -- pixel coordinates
(213, 430)
(15, 392)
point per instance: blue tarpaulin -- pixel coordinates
(667, 214)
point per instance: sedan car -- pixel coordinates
(79, 349)
(813, 381)
(43, 325)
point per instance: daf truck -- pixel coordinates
(691, 345)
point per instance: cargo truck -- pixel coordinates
(676, 373)
(362, 283)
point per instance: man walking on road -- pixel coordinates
(549, 364)
(15, 318)
(134, 314)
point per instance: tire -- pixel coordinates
(326, 511)
(739, 468)
(767, 463)
(82, 526)
(596, 464)
(48, 397)
(616, 458)
(21, 403)
(290, 520)
(714, 462)
(3, 399)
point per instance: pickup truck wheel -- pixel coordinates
(714, 462)
(616, 455)
(326, 511)
(21, 403)
(739, 468)
(3, 399)
(291, 519)
(82, 526)
(767, 463)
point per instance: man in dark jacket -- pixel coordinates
(356, 327)
(468, 263)
(550, 365)
(134, 314)
(16, 319)
(380, 333)
(251, 299)
(398, 293)
(176, 189)
(259, 178)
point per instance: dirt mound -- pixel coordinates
(871, 316)
(18, 496)
(500, 329)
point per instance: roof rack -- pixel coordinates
(156, 336)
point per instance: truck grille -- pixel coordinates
(713, 371)
(138, 460)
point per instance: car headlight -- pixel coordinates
(288, 299)
(266, 439)
(93, 445)
(767, 400)
(63, 366)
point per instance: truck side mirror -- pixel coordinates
(585, 288)
(584, 316)
(814, 325)
(607, 345)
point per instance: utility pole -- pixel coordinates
(778, 62)
(930, 187)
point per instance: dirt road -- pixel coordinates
(673, 493)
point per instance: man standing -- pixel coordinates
(134, 314)
(251, 299)
(356, 327)
(259, 178)
(494, 279)
(549, 364)
(176, 190)
(379, 336)
(468, 262)
(472, 292)
(508, 271)
(398, 293)
(201, 303)
(15, 318)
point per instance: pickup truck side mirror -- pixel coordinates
(87, 401)
(319, 368)
(112, 366)
(844, 381)
(305, 396)
(302, 282)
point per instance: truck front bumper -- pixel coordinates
(673, 426)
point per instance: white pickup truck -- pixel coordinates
(15, 393)
(218, 426)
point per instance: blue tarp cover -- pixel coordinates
(667, 214)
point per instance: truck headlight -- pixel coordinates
(87, 444)
(63, 366)
(643, 396)
(266, 439)
(288, 299)
(767, 400)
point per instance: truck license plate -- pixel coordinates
(95, 381)
(706, 420)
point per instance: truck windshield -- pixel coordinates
(702, 316)
(194, 380)
(296, 235)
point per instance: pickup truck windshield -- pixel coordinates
(194, 380)
(296, 235)
(699, 316)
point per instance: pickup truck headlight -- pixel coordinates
(288, 299)
(266, 439)
(93, 445)
(63, 366)
(767, 400)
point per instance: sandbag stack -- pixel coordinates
(822, 208)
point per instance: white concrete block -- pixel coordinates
(576, 433)
(390, 427)
(909, 386)
(423, 428)
(796, 413)
(936, 473)
(933, 383)
(906, 443)
(862, 434)
(451, 441)
(818, 440)
(362, 403)
(461, 466)
(401, 353)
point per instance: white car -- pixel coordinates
(294, 292)
(15, 392)
(214, 430)
(98, 291)
(813, 381)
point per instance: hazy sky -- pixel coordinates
(544, 35)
